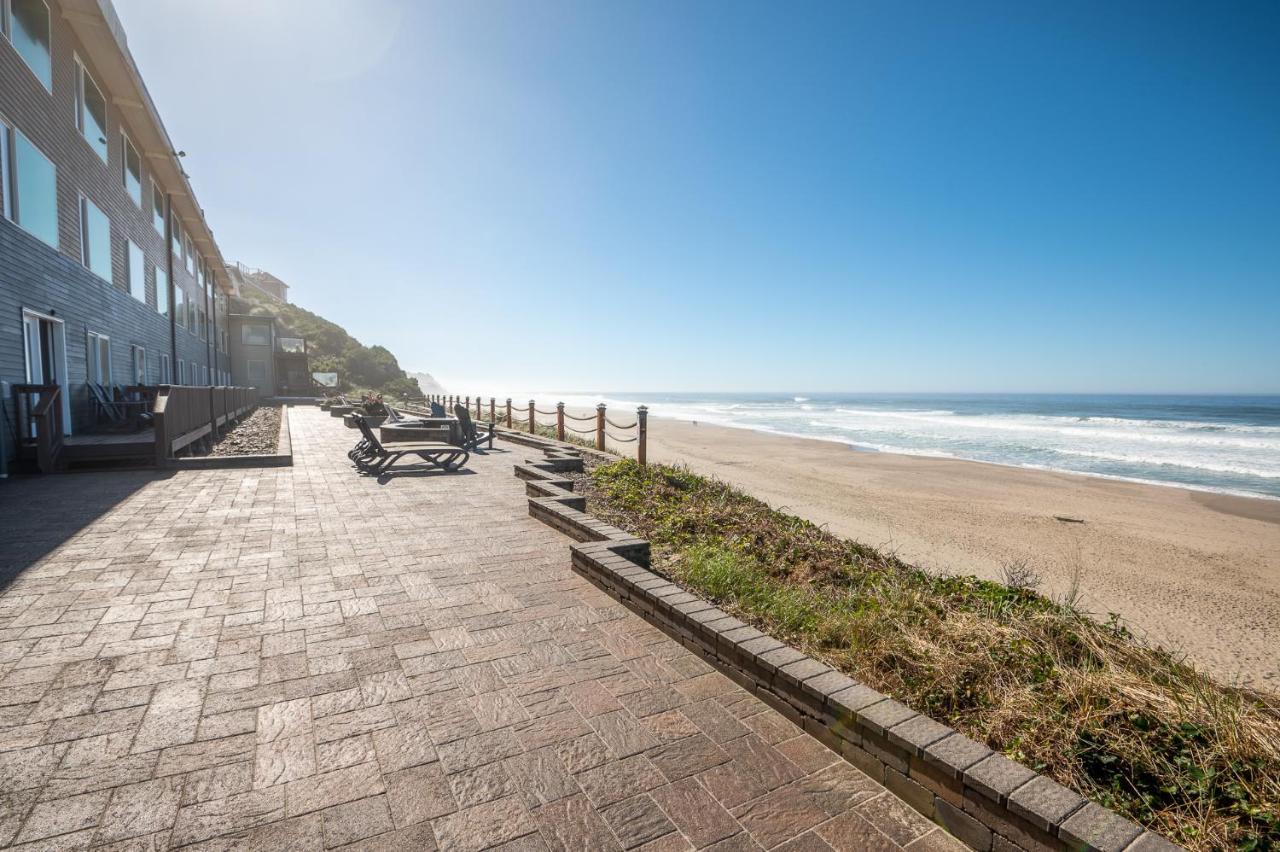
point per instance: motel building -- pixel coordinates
(111, 283)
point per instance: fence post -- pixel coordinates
(478, 414)
(532, 417)
(492, 406)
(642, 434)
(559, 421)
(509, 426)
(600, 426)
(213, 419)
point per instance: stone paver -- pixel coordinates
(307, 658)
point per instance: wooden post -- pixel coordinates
(559, 421)
(467, 404)
(492, 407)
(532, 417)
(478, 414)
(600, 426)
(642, 434)
(509, 426)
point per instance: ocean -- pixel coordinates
(1217, 443)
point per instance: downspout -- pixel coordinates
(173, 313)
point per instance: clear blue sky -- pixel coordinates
(1020, 196)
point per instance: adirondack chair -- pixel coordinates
(471, 436)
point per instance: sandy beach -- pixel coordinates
(1196, 572)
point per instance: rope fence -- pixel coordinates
(506, 415)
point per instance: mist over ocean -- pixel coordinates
(1218, 443)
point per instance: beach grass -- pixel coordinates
(1126, 725)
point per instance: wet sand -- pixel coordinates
(1196, 572)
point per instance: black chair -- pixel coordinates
(376, 457)
(471, 437)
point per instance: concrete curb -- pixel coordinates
(982, 798)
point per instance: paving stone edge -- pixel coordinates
(982, 798)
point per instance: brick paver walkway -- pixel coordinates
(306, 658)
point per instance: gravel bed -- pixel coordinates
(255, 435)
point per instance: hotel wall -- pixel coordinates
(35, 276)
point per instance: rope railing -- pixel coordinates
(506, 415)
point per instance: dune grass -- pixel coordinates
(1123, 724)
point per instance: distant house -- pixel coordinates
(247, 278)
(109, 273)
(269, 357)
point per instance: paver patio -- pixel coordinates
(305, 658)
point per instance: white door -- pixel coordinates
(45, 349)
(31, 344)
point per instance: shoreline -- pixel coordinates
(1194, 570)
(848, 445)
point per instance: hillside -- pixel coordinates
(332, 349)
(427, 382)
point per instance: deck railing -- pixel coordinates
(39, 413)
(185, 414)
(599, 428)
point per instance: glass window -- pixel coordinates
(255, 334)
(190, 256)
(30, 185)
(99, 358)
(179, 305)
(95, 239)
(137, 273)
(182, 372)
(204, 325)
(177, 237)
(6, 179)
(162, 292)
(29, 32)
(157, 208)
(138, 364)
(91, 111)
(132, 165)
(165, 378)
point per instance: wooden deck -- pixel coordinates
(111, 445)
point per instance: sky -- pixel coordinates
(701, 196)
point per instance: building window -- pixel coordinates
(26, 24)
(255, 334)
(179, 305)
(204, 375)
(157, 208)
(176, 245)
(95, 239)
(182, 372)
(204, 325)
(162, 292)
(91, 111)
(190, 256)
(137, 273)
(165, 378)
(138, 364)
(29, 184)
(131, 165)
(256, 371)
(191, 314)
(99, 359)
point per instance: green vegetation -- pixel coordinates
(360, 368)
(1127, 726)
